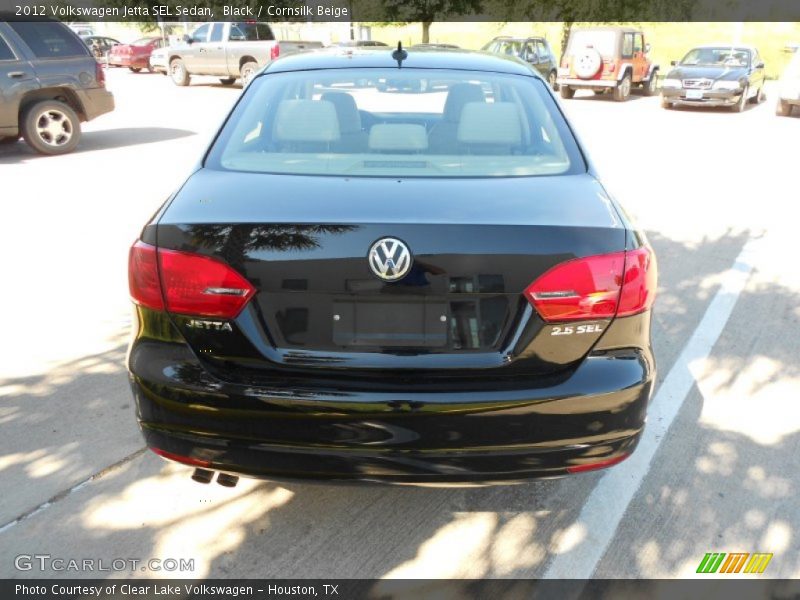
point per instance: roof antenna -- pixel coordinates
(399, 55)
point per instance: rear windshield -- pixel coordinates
(390, 122)
(605, 42)
(250, 32)
(50, 40)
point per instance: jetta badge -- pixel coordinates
(389, 258)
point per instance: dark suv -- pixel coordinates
(49, 84)
(533, 50)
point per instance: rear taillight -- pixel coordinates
(143, 281)
(274, 52)
(100, 74)
(186, 283)
(596, 287)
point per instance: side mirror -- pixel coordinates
(673, 62)
(647, 48)
(531, 57)
(760, 65)
(188, 39)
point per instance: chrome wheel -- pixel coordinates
(54, 128)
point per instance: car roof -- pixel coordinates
(418, 58)
(514, 38)
(726, 45)
(619, 29)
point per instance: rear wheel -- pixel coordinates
(567, 92)
(51, 127)
(623, 90)
(783, 108)
(551, 79)
(177, 71)
(248, 71)
(227, 80)
(739, 106)
(135, 69)
(651, 87)
(666, 103)
(759, 97)
(8, 140)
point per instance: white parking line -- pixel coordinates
(585, 541)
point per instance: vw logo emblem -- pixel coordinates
(389, 258)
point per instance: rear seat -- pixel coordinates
(443, 137)
(306, 126)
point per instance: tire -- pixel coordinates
(623, 90)
(150, 69)
(759, 97)
(178, 73)
(551, 79)
(227, 80)
(51, 127)
(587, 63)
(783, 108)
(739, 106)
(248, 71)
(567, 92)
(666, 103)
(651, 86)
(135, 69)
(7, 141)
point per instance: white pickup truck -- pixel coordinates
(228, 51)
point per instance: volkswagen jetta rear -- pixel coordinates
(393, 274)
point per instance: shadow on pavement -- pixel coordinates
(104, 139)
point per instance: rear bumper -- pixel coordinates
(96, 102)
(140, 62)
(595, 415)
(587, 83)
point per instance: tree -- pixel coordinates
(428, 11)
(570, 12)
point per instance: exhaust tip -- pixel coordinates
(227, 480)
(203, 475)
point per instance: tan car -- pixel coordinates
(607, 59)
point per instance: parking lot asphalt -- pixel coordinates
(718, 471)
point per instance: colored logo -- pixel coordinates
(734, 562)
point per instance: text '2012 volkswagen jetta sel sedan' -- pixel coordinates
(395, 267)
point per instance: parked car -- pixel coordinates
(159, 60)
(82, 30)
(360, 44)
(607, 59)
(330, 295)
(136, 55)
(229, 51)
(789, 88)
(434, 46)
(100, 45)
(533, 50)
(49, 84)
(716, 75)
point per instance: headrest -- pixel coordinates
(458, 96)
(306, 121)
(398, 137)
(496, 123)
(346, 111)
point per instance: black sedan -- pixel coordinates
(393, 287)
(715, 76)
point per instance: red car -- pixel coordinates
(135, 56)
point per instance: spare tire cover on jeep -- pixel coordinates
(587, 63)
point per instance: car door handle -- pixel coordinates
(16, 74)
